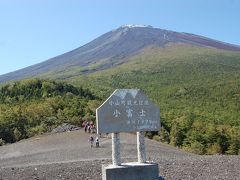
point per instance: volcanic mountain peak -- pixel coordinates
(115, 47)
(135, 25)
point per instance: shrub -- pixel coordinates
(156, 138)
(17, 134)
(214, 149)
(37, 130)
(2, 142)
(164, 135)
(149, 134)
(196, 147)
(233, 149)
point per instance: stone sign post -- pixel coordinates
(128, 110)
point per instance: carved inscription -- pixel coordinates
(128, 110)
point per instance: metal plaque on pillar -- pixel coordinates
(127, 110)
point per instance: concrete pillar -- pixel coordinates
(116, 158)
(141, 147)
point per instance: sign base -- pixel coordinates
(131, 171)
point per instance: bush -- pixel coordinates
(196, 147)
(37, 130)
(2, 142)
(214, 149)
(17, 134)
(164, 135)
(156, 138)
(233, 149)
(76, 121)
(150, 134)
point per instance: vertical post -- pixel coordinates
(116, 159)
(141, 147)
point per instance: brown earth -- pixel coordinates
(69, 156)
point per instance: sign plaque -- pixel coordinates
(127, 110)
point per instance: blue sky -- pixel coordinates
(32, 31)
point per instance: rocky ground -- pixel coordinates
(68, 155)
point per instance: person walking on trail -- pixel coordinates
(97, 141)
(89, 129)
(91, 140)
(85, 128)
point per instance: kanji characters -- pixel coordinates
(129, 113)
(116, 113)
(142, 113)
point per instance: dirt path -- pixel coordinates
(69, 156)
(74, 146)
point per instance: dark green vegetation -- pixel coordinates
(36, 106)
(197, 90)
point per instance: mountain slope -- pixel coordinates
(203, 81)
(197, 90)
(114, 48)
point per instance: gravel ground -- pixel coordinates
(204, 167)
(68, 156)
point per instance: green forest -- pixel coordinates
(197, 90)
(34, 106)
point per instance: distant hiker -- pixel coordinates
(89, 129)
(91, 140)
(93, 129)
(85, 128)
(91, 123)
(97, 141)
